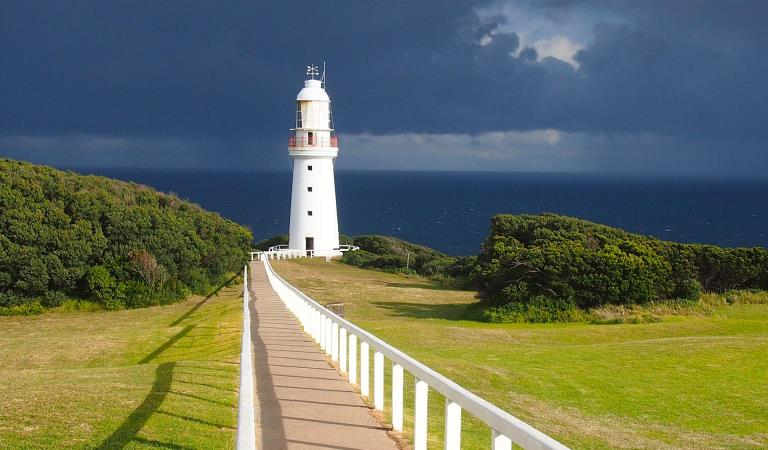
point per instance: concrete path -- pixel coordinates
(302, 402)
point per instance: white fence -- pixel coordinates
(283, 252)
(246, 431)
(339, 339)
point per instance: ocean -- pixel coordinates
(450, 211)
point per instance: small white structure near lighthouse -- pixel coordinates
(314, 228)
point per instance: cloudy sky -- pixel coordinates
(579, 86)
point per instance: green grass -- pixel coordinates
(160, 377)
(698, 381)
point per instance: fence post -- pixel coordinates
(452, 425)
(328, 334)
(364, 371)
(397, 397)
(420, 415)
(499, 441)
(322, 332)
(334, 341)
(378, 381)
(352, 359)
(343, 350)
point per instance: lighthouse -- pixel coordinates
(313, 148)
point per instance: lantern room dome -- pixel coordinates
(313, 91)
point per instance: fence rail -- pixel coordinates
(339, 339)
(246, 426)
(283, 252)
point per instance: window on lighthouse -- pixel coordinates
(298, 115)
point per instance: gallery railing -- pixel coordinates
(315, 141)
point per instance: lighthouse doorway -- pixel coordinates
(310, 245)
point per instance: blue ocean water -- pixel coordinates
(450, 211)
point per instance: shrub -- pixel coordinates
(280, 239)
(10, 299)
(390, 254)
(53, 299)
(105, 290)
(537, 309)
(24, 309)
(461, 267)
(70, 305)
(539, 265)
(746, 297)
(359, 258)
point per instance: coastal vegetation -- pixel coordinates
(693, 378)
(68, 239)
(547, 267)
(278, 239)
(156, 377)
(394, 255)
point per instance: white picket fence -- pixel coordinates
(339, 339)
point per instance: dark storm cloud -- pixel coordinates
(199, 68)
(228, 71)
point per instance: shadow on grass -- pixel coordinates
(446, 311)
(164, 378)
(167, 344)
(202, 302)
(197, 420)
(138, 418)
(433, 285)
(161, 387)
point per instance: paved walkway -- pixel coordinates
(302, 402)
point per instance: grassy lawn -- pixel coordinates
(160, 377)
(686, 382)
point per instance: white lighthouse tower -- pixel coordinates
(314, 228)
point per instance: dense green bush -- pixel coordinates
(537, 309)
(547, 265)
(64, 235)
(278, 239)
(720, 269)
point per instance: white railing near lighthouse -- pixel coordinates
(339, 339)
(283, 252)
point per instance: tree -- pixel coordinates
(146, 266)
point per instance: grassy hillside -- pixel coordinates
(64, 235)
(158, 377)
(695, 381)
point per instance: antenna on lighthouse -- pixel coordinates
(322, 78)
(312, 71)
